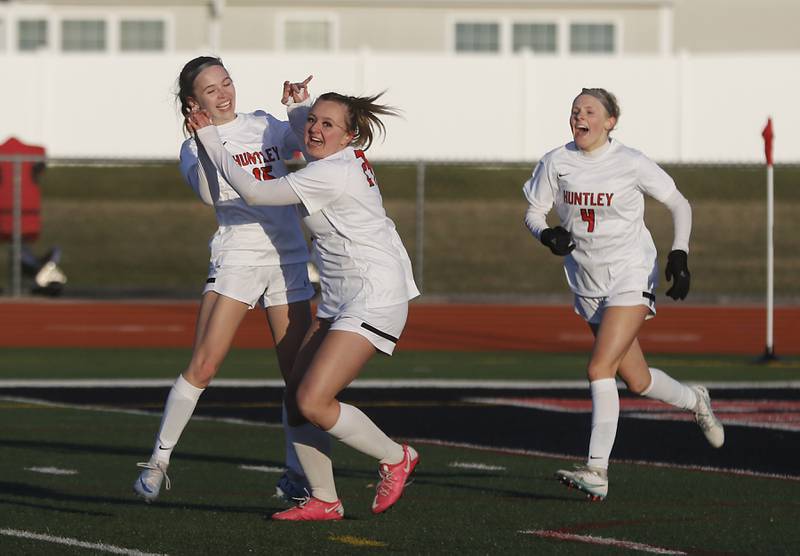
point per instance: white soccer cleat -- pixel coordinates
(705, 418)
(148, 485)
(292, 487)
(591, 480)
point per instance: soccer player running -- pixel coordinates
(597, 186)
(258, 256)
(366, 283)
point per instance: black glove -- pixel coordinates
(678, 269)
(558, 239)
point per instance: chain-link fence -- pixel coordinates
(134, 229)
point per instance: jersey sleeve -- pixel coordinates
(298, 114)
(288, 142)
(681, 211)
(653, 180)
(252, 190)
(319, 184)
(194, 173)
(539, 190)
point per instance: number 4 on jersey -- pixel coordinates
(366, 166)
(587, 215)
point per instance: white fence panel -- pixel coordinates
(674, 108)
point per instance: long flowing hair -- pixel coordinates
(363, 121)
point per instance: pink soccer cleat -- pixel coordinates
(394, 478)
(312, 509)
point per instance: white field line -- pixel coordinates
(669, 416)
(75, 542)
(477, 466)
(52, 470)
(603, 541)
(553, 455)
(374, 383)
(433, 442)
(262, 468)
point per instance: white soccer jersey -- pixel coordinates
(360, 256)
(249, 235)
(600, 200)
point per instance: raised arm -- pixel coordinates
(298, 103)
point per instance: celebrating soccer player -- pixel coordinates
(597, 186)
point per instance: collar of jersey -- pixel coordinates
(231, 126)
(597, 153)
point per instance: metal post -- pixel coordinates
(770, 352)
(16, 229)
(419, 233)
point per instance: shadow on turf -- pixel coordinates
(134, 453)
(7, 502)
(31, 491)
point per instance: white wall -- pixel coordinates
(680, 108)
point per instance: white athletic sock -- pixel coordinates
(292, 463)
(313, 447)
(605, 414)
(357, 431)
(668, 390)
(180, 405)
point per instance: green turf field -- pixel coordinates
(454, 507)
(73, 363)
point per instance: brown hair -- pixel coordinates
(186, 79)
(363, 121)
(607, 99)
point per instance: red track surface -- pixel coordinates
(454, 327)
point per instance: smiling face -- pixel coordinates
(214, 92)
(590, 123)
(326, 129)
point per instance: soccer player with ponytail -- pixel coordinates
(258, 256)
(366, 283)
(597, 186)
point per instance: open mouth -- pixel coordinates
(224, 106)
(580, 130)
(314, 141)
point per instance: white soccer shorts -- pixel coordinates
(381, 326)
(592, 308)
(268, 285)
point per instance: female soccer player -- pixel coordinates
(597, 185)
(258, 255)
(366, 283)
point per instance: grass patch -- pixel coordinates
(166, 363)
(139, 230)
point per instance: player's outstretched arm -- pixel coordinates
(252, 190)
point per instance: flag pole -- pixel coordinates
(769, 350)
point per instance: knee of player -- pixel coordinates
(201, 371)
(638, 386)
(599, 371)
(310, 405)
